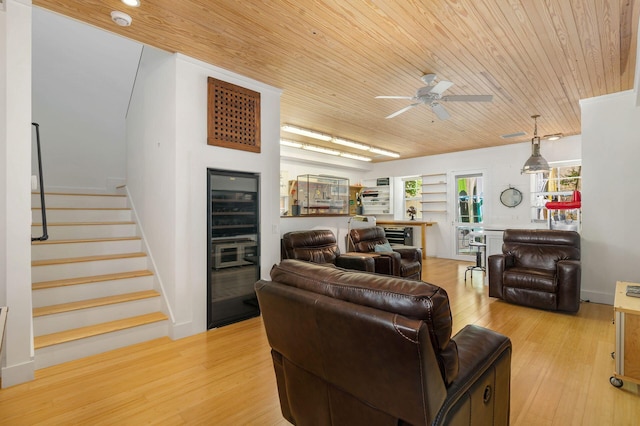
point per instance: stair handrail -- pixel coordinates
(45, 235)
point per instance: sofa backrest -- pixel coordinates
(378, 339)
(366, 239)
(541, 248)
(317, 245)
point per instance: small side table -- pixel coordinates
(627, 320)
(481, 250)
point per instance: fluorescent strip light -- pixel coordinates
(305, 132)
(321, 150)
(384, 152)
(351, 144)
(132, 3)
(355, 157)
(292, 144)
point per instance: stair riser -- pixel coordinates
(86, 231)
(85, 269)
(68, 320)
(75, 293)
(59, 251)
(81, 215)
(79, 201)
(57, 354)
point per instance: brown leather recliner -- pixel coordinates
(538, 268)
(350, 348)
(321, 246)
(405, 262)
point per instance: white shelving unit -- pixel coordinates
(377, 200)
(434, 194)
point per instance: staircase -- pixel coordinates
(92, 287)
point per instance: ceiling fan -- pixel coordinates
(431, 95)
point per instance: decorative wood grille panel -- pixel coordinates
(233, 116)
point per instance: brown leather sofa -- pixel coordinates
(538, 268)
(321, 246)
(405, 262)
(351, 348)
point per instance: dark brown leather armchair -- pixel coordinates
(405, 262)
(538, 268)
(350, 348)
(321, 246)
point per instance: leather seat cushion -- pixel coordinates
(530, 278)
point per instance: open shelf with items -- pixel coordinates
(434, 193)
(377, 200)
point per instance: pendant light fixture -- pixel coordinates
(536, 163)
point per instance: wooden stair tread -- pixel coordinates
(90, 279)
(95, 330)
(85, 240)
(127, 222)
(82, 208)
(65, 260)
(92, 303)
(79, 194)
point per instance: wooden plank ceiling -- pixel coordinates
(332, 57)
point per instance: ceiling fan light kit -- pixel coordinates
(432, 95)
(536, 163)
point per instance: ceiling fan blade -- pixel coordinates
(394, 97)
(467, 98)
(440, 111)
(440, 88)
(405, 109)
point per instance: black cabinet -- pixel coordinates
(234, 246)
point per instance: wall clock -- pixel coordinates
(511, 197)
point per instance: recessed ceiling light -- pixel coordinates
(132, 3)
(553, 137)
(121, 18)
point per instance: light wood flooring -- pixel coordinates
(560, 371)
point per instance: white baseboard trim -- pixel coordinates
(597, 297)
(178, 331)
(16, 374)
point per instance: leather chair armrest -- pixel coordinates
(413, 254)
(496, 264)
(359, 263)
(569, 275)
(482, 387)
(388, 263)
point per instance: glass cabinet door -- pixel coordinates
(233, 259)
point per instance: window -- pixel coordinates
(557, 184)
(412, 196)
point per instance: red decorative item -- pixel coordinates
(575, 203)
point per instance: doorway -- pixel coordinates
(469, 211)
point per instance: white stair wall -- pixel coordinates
(87, 278)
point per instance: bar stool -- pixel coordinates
(478, 241)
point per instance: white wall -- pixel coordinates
(167, 175)
(15, 188)
(82, 82)
(611, 198)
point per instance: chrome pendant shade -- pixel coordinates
(536, 163)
